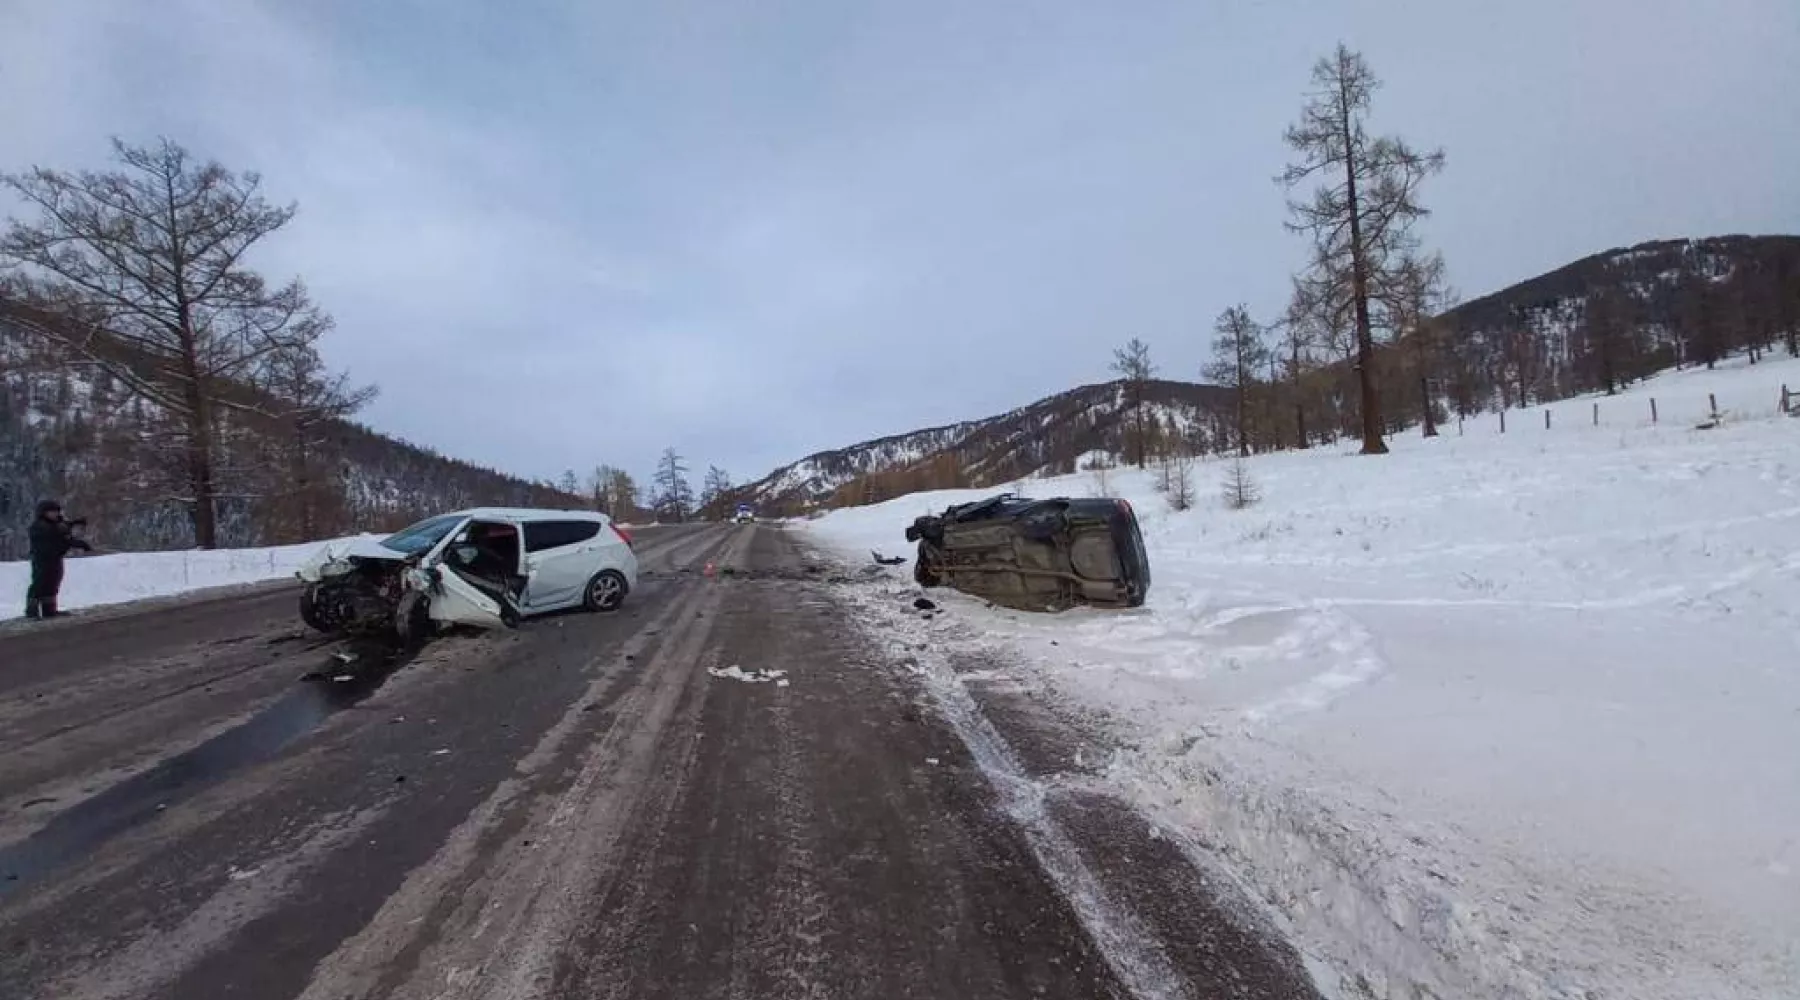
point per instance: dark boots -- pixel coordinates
(33, 608)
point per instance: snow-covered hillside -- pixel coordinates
(1048, 433)
(1493, 716)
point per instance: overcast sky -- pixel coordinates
(559, 234)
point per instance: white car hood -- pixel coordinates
(360, 546)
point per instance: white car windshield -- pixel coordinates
(422, 536)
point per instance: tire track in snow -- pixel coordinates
(1123, 940)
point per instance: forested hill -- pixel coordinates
(1593, 325)
(75, 433)
(1051, 435)
(1613, 317)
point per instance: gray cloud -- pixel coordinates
(566, 233)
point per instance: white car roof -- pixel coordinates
(532, 514)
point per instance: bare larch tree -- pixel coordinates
(1238, 489)
(599, 488)
(1302, 331)
(674, 497)
(1413, 299)
(1361, 212)
(1132, 364)
(147, 265)
(615, 493)
(307, 399)
(1608, 341)
(1238, 354)
(715, 485)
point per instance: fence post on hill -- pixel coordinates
(1596, 414)
(1459, 423)
(1653, 409)
(1712, 405)
(1786, 403)
(1503, 420)
(1546, 419)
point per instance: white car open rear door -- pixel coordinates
(458, 600)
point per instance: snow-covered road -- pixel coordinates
(1496, 715)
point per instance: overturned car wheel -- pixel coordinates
(925, 571)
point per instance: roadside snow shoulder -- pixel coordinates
(124, 577)
(1508, 716)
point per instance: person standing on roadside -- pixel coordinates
(51, 540)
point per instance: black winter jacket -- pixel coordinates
(52, 540)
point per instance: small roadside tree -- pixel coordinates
(715, 486)
(622, 495)
(1238, 353)
(674, 497)
(1180, 481)
(1132, 364)
(308, 399)
(1239, 490)
(1413, 298)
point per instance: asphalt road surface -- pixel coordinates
(201, 799)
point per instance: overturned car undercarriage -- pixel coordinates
(1035, 555)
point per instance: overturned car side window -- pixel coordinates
(541, 535)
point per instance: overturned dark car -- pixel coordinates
(1036, 555)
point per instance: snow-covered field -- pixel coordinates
(1493, 716)
(92, 581)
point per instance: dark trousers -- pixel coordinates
(46, 580)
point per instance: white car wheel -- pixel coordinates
(606, 591)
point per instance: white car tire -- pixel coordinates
(606, 591)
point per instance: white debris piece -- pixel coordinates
(737, 673)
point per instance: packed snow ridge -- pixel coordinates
(1496, 715)
(118, 578)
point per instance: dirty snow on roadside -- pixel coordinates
(1493, 716)
(92, 581)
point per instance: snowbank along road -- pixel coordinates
(722, 791)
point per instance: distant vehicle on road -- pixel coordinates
(488, 567)
(1036, 555)
(744, 514)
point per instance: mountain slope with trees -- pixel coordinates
(74, 434)
(1055, 434)
(162, 387)
(1603, 321)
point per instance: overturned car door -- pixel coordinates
(475, 576)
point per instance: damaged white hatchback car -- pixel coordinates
(488, 567)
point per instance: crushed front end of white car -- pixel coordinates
(360, 586)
